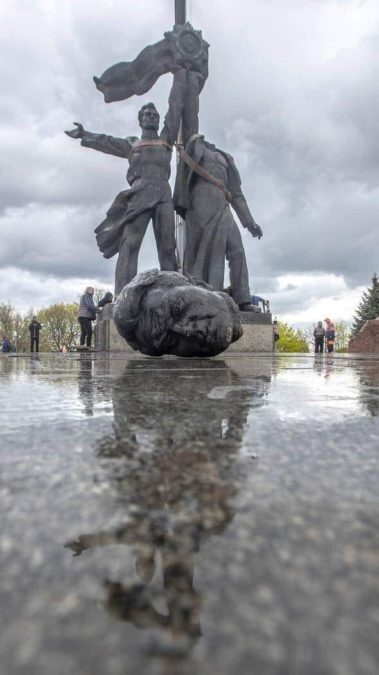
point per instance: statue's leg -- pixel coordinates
(164, 231)
(130, 244)
(239, 274)
(206, 240)
(192, 244)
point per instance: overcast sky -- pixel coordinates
(292, 94)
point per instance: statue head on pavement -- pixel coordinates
(169, 313)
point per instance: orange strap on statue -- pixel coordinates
(141, 144)
(203, 172)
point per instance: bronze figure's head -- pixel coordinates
(148, 117)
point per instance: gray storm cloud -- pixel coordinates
(296, 105)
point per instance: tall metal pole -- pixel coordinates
(180, 226)
(180, 11)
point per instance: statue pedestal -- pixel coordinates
(257, 334)
(367, 340)
(107, 338)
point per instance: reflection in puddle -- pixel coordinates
(85, 384)
(177, 495)
(368, 374)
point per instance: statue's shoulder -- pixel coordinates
(227, 156)
(132, 139)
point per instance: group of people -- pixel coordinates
(324, 336)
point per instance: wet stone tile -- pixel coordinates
(170, 516)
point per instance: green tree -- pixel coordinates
(368, 308)
(7, 313)
(21, 334)
(291, 339)
(14, 326)
(59, 326)
(307, 335)
(343, 332)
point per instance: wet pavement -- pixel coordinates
(171, 516)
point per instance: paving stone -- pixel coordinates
(170, 516)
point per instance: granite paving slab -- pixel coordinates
(171, 517)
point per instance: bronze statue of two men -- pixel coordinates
(207, 182)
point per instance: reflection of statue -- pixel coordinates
(207, 184)
(150, 195)
(178, 482)
(168, 313)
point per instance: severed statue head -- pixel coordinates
(169, 313)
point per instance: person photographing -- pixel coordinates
(86, 314)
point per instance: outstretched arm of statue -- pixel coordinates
(111, 145)
(176, 100)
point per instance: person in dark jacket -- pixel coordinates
(6, 346)
(275, 333)
(319, 336)
(87, 314)
(34, 329)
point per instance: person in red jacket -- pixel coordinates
(330, 334)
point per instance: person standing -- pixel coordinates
(319, 336)
(330, 334)
(86, 314)
(256, 299)
(34, 329)
(275, 334)
(6, 346)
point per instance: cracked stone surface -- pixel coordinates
(171, 516)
